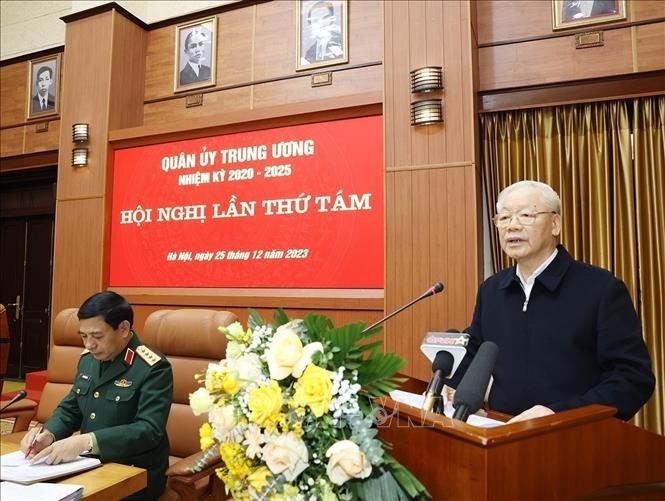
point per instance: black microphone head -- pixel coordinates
(473, 385)
(21, 394)
(453, 330)
(443, 361)
(437, 287)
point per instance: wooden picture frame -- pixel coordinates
(577, 13)
(195, 55)
(322, 33)
(43, 90)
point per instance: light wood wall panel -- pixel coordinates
(432, 191)
(17, 135)
(13, 89)
(102, 86)
(77, 255)
(258, 43)
(511, 52)
(500, 21)
(650, 47)
(523, 64)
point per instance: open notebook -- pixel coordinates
(15, 468)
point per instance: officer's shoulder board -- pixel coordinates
(148, 356)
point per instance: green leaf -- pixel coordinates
(254, 320)
(280, 318)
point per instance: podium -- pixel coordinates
(583, 453)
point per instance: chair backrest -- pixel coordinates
(63, 359)
(190, 339)
(4, 344)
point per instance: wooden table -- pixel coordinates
(109, 481)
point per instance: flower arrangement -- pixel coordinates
(290, 410)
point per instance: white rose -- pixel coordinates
(286, 454)
(249, 368)
(286, 355)
(223, 420)
(346, 461)
(201, 401)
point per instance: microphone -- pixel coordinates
(452, 341)
(471, 389)
(19, 396)
(435, 289)
(442, 366)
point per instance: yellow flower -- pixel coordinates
(235, 459)
(314, 389)
(205, 436)
(230, 384)
(265, 402)
(290, 493)
(258, 479)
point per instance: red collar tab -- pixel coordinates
(129, 356)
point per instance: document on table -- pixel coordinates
(417, 400)
(15, 468)
(9, 491)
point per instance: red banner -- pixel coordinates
(297, 206)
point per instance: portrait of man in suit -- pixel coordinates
(572, 13)
(42, 97)
(195, 56)
(322, 33)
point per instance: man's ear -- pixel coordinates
(125, 327)
(556, 225)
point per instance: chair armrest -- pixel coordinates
(196, 466)
(22, 411)
(186, 477)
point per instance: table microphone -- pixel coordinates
(442, 367)
(435, 289)
(19, 396)
(471, 389)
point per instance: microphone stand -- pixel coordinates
(436, 288)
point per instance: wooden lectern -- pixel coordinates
(582, 453)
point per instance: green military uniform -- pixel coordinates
(125, 403)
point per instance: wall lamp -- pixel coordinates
(80, 134)
(79, 157)
(427, 79)
(426, 112)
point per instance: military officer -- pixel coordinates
(119, 401)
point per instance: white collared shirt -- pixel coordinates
(528, 284)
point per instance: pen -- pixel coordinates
(34, 441)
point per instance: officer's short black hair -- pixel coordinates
(113, 307)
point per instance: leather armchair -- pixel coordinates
(61, 369)
(190, 340)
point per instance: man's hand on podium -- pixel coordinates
(533, 412)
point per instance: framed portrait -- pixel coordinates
(576, 13)
(322, 28)
(43, 96)
(195, 54)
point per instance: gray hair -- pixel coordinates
(550, 198)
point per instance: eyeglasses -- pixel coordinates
(524, 218)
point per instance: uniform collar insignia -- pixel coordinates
(129, 356)
(122, 383)
(84, 376)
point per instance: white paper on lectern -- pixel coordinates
(416, 400)
(9, 491)
(15, 468)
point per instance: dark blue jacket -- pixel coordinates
(579, 341)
